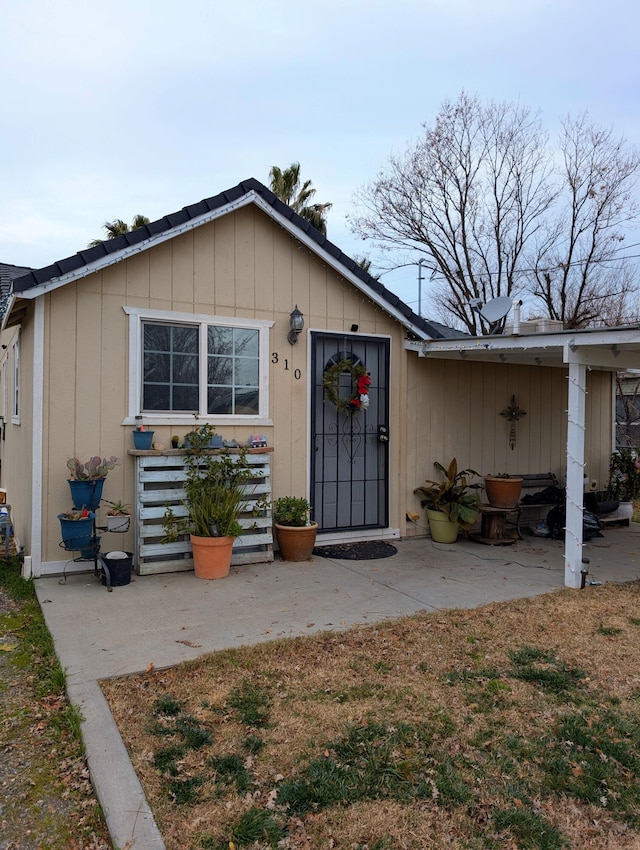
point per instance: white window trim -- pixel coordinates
(15, 399)
(136, 317)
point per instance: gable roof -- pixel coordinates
(37, 281)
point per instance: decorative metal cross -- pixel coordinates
(513, 413)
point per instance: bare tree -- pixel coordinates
(479, 198)
(579, 273)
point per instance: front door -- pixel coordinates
(350, 449)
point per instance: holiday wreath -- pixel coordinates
(360, 382)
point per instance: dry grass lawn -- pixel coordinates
(516, 725)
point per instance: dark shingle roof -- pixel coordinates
(37, 277)
(9, 273)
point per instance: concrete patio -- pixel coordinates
(165, 619)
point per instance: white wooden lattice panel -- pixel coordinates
(159, 485)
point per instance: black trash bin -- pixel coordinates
(118, 565)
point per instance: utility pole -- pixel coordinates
(420, 279)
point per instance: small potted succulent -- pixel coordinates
(295, 532)
(76, 528)
(118, 516)
(87, 480)
(142, 437)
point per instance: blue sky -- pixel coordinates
(149, 105)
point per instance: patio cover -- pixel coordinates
(607, 349)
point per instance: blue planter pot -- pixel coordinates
(77, 534)
(86, 494)
(142, 439)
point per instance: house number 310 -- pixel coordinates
(275, 358)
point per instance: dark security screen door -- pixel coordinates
(350, 451)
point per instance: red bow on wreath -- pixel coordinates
(364, 382)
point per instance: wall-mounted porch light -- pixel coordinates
(296, 323)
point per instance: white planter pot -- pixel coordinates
(118, 523)
(625, 511)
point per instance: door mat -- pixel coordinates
(370, 550)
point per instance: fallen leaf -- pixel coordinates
(150, 667)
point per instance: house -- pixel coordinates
(192, 314)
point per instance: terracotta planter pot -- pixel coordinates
(441, 528)
(211, 556)
(296, 542)
(502, 492)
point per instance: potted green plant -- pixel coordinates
(295, 532)
(624, 480)
(215, 497)
(76, 528)
(118, 516)
(450, 504)
(87, 480)
(503, 490)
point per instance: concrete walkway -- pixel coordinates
(165, 619)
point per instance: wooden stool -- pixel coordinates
(494, 526)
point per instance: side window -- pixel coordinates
(15, 406)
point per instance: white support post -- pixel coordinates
(575, 474)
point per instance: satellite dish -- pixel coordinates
(496, 309)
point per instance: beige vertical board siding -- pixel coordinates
(16, 464)
(463, 418)
(138, 277)
(414, 433)
(599, 438)
(489, 425)
(264, 271)
(203, 266)
(165, 288)
(60, 424)
(183, 276)
(318, 296)
(477, 425)
(224, 257)
(335, 299)
(245, 271)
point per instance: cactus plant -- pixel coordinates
(96, 467)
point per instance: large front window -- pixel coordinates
(197, 365)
